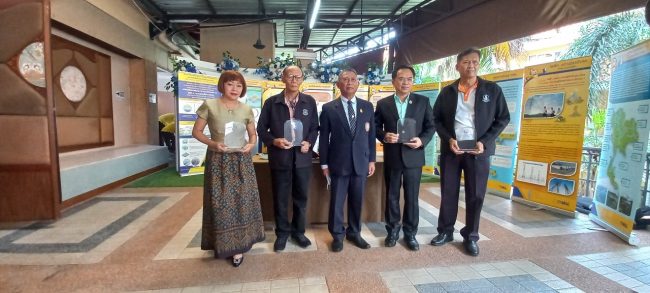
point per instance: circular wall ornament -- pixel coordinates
(31, 64)
(73, 83)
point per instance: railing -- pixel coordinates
(589, 172)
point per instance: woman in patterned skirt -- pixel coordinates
(232, 215)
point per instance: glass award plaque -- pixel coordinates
(405, 129)
(234, 135)
(293, 131)
(466, 138)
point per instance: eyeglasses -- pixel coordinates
(294, 77)
(405, 80)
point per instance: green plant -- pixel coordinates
(600, 39)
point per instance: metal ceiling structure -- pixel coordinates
(422, 30)
(338, 21)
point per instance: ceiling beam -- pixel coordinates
(398, 7)
(153, 8)
(214, 11)
(347, 14)
(306, 30)
(262, 8)
(338, 26)
(388, 23)
(296, 16)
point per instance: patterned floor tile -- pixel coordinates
(492, 279)
(86, 233)
(628, 268)
(525, 220)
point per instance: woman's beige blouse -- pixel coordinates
(218, 115)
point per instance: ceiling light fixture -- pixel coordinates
(258, 44)
(314, 14)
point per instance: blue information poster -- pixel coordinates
(502, 163)
(431, 150)
(618, 185)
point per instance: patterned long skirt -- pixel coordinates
(232, 215)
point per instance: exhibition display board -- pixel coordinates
(502, 163)
(431, 151)
(552, 133)
(193, 89)
(618, 185)
(253, 98)
(376, 93)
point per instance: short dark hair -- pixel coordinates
(230, 75)
(467, 52)
(398, 68)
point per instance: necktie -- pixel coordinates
(351, 115)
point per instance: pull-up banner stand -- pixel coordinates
(552, 132)
(618, 185)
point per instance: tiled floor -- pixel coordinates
(630, 268)
(529, 221)
(87, 232)
(301, 285)
(186, 243)
(513, 276)
(147, 240)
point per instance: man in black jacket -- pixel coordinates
(290, 165)
(403, 157)
(475, 109)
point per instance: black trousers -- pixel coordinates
(411, 180)
(290, 184)
(476, 171)
(352, 187)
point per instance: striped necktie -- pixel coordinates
(352, 117)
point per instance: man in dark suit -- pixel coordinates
(347, 156)
(477, 107)
(403, 159)
(290, 165)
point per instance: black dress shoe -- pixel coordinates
(301, 240)
(390, 241)
(471, 247)
(358, 241)
(236, 262)
(411, 243)
(392, 237)
(442, 238)
(337, 245)
(280, 243)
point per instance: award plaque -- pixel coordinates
(293, 131)
(405, 130)
(234, 135)
(466, 138)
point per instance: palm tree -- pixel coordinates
(510, 52)
(600, 38)
(503, 53)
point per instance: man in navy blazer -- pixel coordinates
(290, 165)
(347, 157)
(403, 160)
(479, 105)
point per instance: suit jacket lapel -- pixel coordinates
(359, 121)
(410, 107)
(393, 108)
(341, 113)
